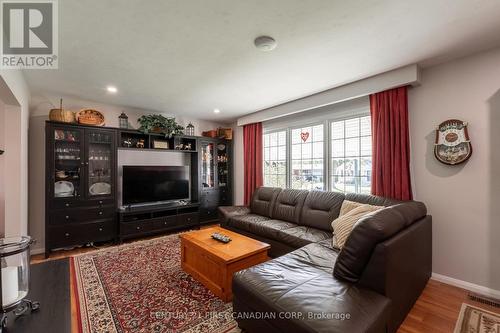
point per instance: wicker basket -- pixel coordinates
(210, 134)
(226, 133)
(61, 115)
(90, 117)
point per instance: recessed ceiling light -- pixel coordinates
(112, 89)
(265, 43)
(216, 111)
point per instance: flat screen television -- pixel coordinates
(153, 184)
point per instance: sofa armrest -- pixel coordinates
(226, 212)
(400, 267)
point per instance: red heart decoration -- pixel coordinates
(304, 136)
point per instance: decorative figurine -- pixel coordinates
(140, 143)
(127, 143)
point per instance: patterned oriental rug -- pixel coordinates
(140, 287)
(476, 320)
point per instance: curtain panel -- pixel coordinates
(391, 144)
(252, 148)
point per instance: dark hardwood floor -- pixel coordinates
(50, 285)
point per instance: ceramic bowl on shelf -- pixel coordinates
(63, 189)
(100, 189)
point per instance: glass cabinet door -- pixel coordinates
(207, 165)
(222, 165)
(100, 155)
(68, 162)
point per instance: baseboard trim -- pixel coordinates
(467, 285)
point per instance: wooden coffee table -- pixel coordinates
(213, 263)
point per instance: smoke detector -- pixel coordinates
(265, 43)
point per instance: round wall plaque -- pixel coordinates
(452, 145)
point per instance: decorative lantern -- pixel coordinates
(190, 129)
(123, 120)
(14, 278)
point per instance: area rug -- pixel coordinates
(476, 320)
(141, 287)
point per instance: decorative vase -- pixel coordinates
(14, 277)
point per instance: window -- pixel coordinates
(330, 154)
(351, 155)
(275, 146)
(307, 158)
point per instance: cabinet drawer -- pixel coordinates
(77, 215)
(131, 228)
(61, 203)
(188, 219)
(207, 213)
(210, 197)
(77, 234)
(164, 222)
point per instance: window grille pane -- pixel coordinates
(366, 128)
(351, 159)
(338, 148)
(337, 130)
(352, 128)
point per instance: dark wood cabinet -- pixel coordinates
(215, 177)
(145, 221)
(80, 184)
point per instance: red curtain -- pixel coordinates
(391, 144)
(252, 148)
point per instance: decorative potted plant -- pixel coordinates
(156, 123)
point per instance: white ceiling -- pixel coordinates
(191, 56)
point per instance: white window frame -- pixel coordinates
(327, 142)
(330, 158)
(287, 154)
(289, 149)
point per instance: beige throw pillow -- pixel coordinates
(347, 206)
(343, 225)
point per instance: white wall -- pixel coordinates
(238, 165)
(2, 172)
(16, 96)
(463, 200)
(41, 105)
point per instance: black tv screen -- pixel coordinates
(147, 184)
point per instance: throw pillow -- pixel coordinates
(343, 225)
(347, 206)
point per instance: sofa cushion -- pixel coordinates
(301, 236)
(263, 200)
(320, 209)
(317, 255)
(288, 205)
(371, 199)
(226, 212)
(266, 228)
(245, 222)
(371, 230)
(293, 284)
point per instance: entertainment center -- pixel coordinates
(82, 199)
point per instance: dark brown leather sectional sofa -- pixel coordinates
(369, 286)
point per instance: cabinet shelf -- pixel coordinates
(92, 218)
(67, 141)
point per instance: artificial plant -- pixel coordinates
(157, 123)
